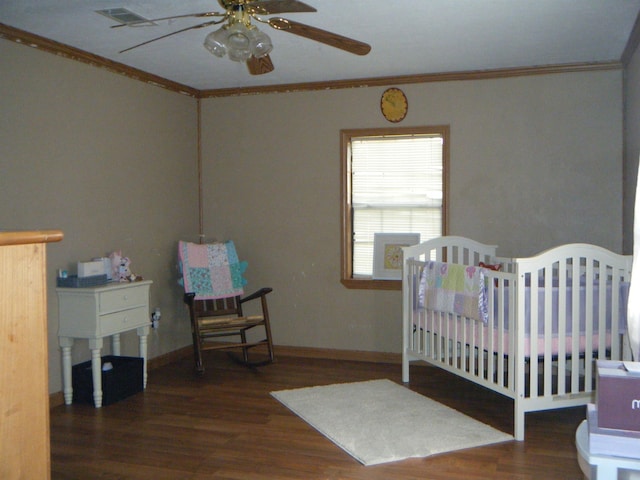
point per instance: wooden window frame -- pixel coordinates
(346, 232)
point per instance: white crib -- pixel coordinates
(584, 319)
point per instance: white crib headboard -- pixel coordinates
(452, 249)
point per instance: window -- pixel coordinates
(393, 181)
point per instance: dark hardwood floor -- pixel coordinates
(225, 425)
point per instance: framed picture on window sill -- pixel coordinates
(387, 254)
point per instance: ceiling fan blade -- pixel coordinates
(205, 24)
(260, 66)
(269, 7)
(332, 39)
(151, 20)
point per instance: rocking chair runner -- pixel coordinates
(212, 277)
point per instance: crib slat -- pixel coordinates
(471, 339)
(562, 327)
(618, 276)
(513, 330)
(486, 337)
(534, 292)
(575, 327)
(503, 339)
(494, 361)
(606, 272)
(548, 330)
(588, 315)
(518, 337)
(499, 313)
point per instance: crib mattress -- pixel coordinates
(480, 336)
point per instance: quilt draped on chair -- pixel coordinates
(211, 271)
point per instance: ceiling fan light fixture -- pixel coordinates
(239, 40)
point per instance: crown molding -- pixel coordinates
(418, 78)
(60, 49)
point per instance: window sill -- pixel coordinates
(367, 283)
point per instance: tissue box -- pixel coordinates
(89, 269)
(122, 381)
(618, 396)
(106, 265)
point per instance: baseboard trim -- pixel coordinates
(57, 398)
(167, 358)
(335, 354)
(292, 351)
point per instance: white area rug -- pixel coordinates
(380, 421)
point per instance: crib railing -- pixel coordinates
(589, 288)
(463, 345)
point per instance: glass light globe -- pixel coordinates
(260, 43)
(239, 55)
(215, 42)
(238, 42)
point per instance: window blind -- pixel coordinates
(396, 187)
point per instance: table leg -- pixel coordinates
(607, 470)
(66, 344)
(115, 344)
(95, 345)
(142, 335)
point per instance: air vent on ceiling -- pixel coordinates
(123, 15)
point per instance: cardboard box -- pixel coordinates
(609, 441)
(121, 381)
(618, 396)
(89, 269)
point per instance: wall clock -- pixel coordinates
(394, 104)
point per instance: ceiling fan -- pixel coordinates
(243, 42)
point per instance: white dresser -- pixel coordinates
(97, 312)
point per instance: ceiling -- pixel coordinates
(408, 37)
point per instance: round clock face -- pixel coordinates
(394, 104)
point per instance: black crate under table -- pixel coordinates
(122, 381)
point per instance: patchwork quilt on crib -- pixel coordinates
(456, 289)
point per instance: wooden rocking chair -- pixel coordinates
(216, 306)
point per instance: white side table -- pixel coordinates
(96, 312)
(606, 466)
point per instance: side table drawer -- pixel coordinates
(124, 320)
(123, 298)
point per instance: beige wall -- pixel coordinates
(108, 160)
(535, 162)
